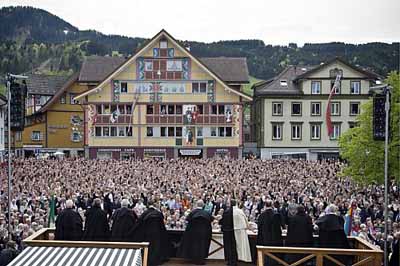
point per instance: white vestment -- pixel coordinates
(240, 225)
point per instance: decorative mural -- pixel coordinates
(140, 68)
(116, 90)
(92, 117)
(211, 91)
(185, 68)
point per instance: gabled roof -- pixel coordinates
(230, 69)
(97, 68)
(59, 93)
(132, 59)
(274, 86)
(367, 73)
(44, 84)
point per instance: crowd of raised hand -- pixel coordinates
(177, 184)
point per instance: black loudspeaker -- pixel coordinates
(18, 94)
(379, 117)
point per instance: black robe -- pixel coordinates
(96, 225)
(197, 237)
(151, 228)
(331, 232)
(230, 252)
(395, 257)
(68, 226)
(124, 220)
(332, 235)
(269, 227)
(300, 231)
(7, 255)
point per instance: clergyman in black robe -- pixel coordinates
(300, 232)
(197, 237)
(228, 232)
(96, 223)
(123, 221)
(151, 228)
(331, 233)
(269, 227)
(69, 224)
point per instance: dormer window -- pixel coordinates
(283, 82)
(163, 44)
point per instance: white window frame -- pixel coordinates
(336, 131)
(36, 135)
(335, 108)
(198, 86)
(163, 44)
(359, 87)
(312, 109)
(275, 108)
(177, 62)
(301, 107)
(298, 134)
(76, 133)
(313, 87)
(148, 65)
(351, 109)
(277, 131)
(315, 131)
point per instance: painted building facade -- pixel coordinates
(165, 103)
(290, 109)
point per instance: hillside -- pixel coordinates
(33, 39)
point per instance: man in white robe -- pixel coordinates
(240, 225)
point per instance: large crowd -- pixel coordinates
(175, 185)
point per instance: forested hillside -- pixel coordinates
(34, 40)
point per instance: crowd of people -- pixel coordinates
(174, 187)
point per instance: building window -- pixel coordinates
(221, 109)
(148, 65)
(121, 131)
(214, 109)
(277, 108)
(315, 131)
(178, 131)
(106, 131)
(63, 99)
(225, 131)
(213, 131)
(353, 124)
(149, 132)
(354, 108)
(36, 135)
(283, 83)
(315, 87)
(128, 131)
(174, 65)
(199, 132)
(296, 108)
(18, 136)
(98, 132)
(336, 131)
(124, 87)
(76, 136)
(315, 108)
(163, 44)
(150, 109)
(296, 131)
(178, 109)
(71, 99)
(199, 87)
(335, 108)
(355, 87)
(337, 89)
(277, 131)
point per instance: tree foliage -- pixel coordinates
(365, 156)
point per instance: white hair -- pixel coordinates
(69, 204)
(200, 203)
(124, 203)
(331, 209)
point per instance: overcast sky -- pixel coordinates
(273, 21)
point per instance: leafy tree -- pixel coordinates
(365, 155)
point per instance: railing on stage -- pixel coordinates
(362, 253)
(45, 238)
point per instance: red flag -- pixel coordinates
(329, 125)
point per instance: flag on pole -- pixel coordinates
(329, 125)
(51, 222)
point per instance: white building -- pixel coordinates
(3, 109)
(290, 109)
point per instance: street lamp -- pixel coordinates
(9, 79)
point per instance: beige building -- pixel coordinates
(290, 109)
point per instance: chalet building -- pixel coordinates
(289, 110)
(163, 102)
(53, 121)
